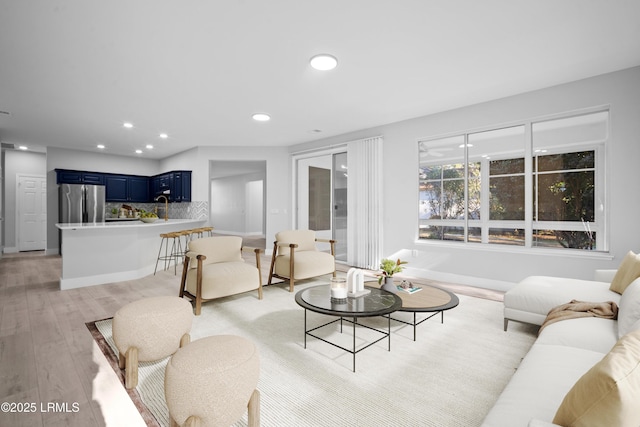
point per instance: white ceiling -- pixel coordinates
(71, 72)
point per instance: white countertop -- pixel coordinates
(123, 224)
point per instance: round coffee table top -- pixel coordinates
(428, 299)
(376, 303)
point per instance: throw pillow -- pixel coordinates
(628, 271)
(629, 308)
(608, 394)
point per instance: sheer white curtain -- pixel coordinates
(364, 195)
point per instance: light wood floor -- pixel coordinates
(46, 351)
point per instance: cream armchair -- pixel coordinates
(214, 268)
(296, 257)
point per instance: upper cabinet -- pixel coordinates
(127, 188)
(64, 176)
(175, 185)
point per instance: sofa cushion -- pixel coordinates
(589, 333)
(536, 389)
(536, 295)
(628, 271)
(608, 394)
(629, 310)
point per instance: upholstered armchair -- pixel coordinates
(214, 268)
(295, 257)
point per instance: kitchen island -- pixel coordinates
(98, 253)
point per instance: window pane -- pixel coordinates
(454, 233)
(507, 166)
(567, 196)
(566, 161)
(507, 236)
(506, 198)
(564, 239)
(474, 235)
(435, 232)
(431, 172)
(453, 199)
(474, 191)
(429, 207)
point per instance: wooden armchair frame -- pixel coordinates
(292, 248)
(200, 257)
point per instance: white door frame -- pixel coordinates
(19, 176)
(295, 157)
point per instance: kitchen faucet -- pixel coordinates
(166, 206)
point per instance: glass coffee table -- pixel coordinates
(429, 299)
(377, 303)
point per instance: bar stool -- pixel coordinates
(182, 249)
(176, 248)
(196, 233)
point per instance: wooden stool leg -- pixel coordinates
(131, 368)
(186, 339)
(121, 360)
(254, 409)
(192, 421)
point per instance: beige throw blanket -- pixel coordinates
(576, 309)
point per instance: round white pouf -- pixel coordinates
(155, 327)
(213, 379)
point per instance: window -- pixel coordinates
(535, 184)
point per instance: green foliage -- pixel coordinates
(389, 268)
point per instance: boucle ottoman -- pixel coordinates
(150, 329)
(212, 381)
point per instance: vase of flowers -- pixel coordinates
(389, 268)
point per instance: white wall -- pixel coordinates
(484, 265)
(17, 162)
(277, 181)
(230, 203)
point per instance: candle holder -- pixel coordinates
(338, 290)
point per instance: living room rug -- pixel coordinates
(450, 376)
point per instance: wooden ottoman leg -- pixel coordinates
(186, 339)
(121, 360)
(254, 409)
(131, 368)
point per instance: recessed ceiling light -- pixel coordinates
(324, 62)
(164, 136)
(261, 117)
(127, 125)
(138, 151)
(149, 147)
(100, 146)
(23, 147)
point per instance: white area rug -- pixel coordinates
(450, 376)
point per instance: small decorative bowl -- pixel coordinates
(148, 220)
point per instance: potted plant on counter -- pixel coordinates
(389, 268)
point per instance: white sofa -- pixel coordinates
(562, 359)
(531, 299)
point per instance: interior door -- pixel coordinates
(32, 213)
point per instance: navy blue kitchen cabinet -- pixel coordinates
(175, 185)
(181, 190)
(127, 188)
(65, 176)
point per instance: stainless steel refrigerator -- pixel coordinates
(81, 203)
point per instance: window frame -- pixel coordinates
(529, 224)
